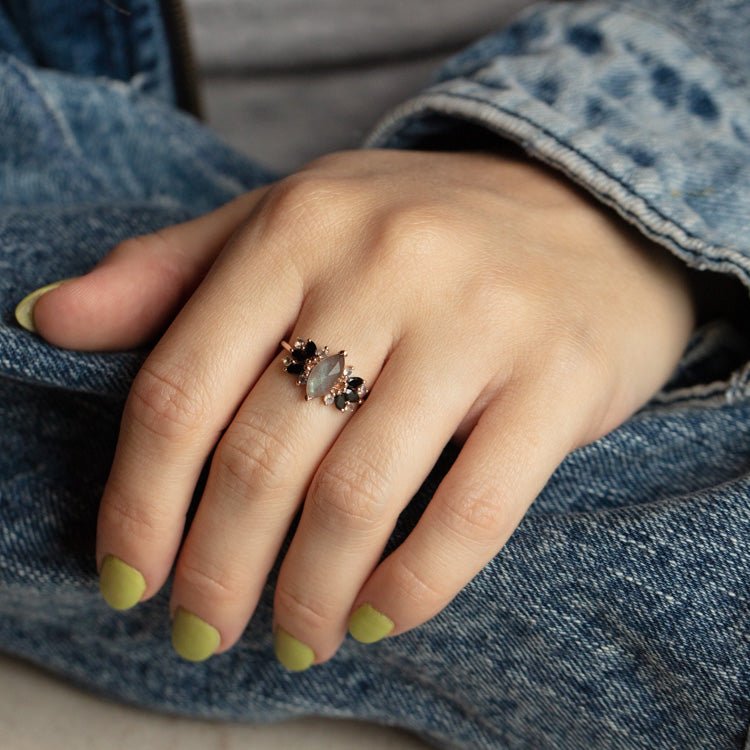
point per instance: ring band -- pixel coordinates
(324, 375)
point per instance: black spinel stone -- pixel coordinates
(310, 349)
(340, 401)
(354, 383)
(295, 368)
(299, 355)
(352, 396)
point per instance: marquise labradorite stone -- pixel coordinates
(324, 375)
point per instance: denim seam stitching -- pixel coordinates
(737, 386)
(744, 272)
(105, 17)
(389, 129)
(729, 391)
(719, 393)
(148, 68)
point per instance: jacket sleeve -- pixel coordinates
(646, 104)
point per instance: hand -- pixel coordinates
(483, 299)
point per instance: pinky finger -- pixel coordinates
(512, 451)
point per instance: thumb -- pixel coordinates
(132, 294)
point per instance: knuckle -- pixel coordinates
(348, 495)
(411, 580)
(301, 608)
(162, 402)
(129, 520)
(336, 160)
(158, 255)
(173, 266)
(146, 245)
(499, 288)
(573, 358)
(474, 516)
(305, 192)
(251, 458)
(208, 581)
(410, 233)
(300, 208)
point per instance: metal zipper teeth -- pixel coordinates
(184, 70)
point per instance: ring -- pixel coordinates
(324, 375)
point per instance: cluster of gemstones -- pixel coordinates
(325, 375)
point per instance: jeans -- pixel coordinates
(615, 617)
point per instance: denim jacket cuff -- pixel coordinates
(624, 105)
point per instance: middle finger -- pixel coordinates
(258, 478)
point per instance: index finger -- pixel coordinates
(183, 397)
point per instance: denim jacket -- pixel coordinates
(618, 614)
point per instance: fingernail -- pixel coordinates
(367, 625)
(192, 638)
(293, 654)
(25, 308)
(121, 585)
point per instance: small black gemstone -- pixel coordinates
(295, 368)
(340, 401)
(354, 383)
(310, 349)
(352, 396)
(299, 355)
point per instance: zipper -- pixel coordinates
(184, 71)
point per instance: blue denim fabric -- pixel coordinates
(123, 40)
(617, 614)
(651, 121)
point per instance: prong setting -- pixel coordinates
(332, 381)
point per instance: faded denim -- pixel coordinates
(617, 615)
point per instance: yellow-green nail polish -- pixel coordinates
(293, 654)
(25, 308)
(367, 625)
(122, 586)
(192, 638)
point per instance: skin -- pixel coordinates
(483, 298)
